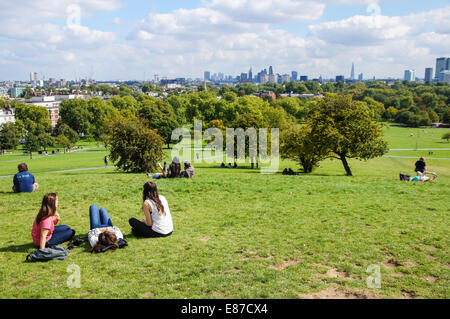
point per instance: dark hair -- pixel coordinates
(174, 170)
(22, 167)
(48, 207)
(151, 192)
(106, 239)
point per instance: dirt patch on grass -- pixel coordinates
(390, 263)
(149, 294)
(258, 257)
(408, 294)
(334, 293)
(204, 239)
(334, 273)
(285, 264)
(431, 279)
(409, 264)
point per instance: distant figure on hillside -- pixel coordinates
(420, 165)
(24, 181)
(229, 165)
(165, 168)
(173, 171)
(223, 165)
(158, 220)
(106, 161)
(235, 165)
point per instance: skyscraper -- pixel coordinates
(270, 70)
(250, 75)
(340, 78)
(207, 76)
(294, 76)
(410, 75)
(360, 77)
(441, 65)
(428, 74)
(352, 74)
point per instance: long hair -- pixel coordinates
(48, 207)
(106, 239)
(174, 170)
(151, 192)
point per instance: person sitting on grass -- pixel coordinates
(24, 181)
(421, 167)
(173, 172)
(223, 165)
(158, 220)
(44, 232)
(229, 165)
(235, 165)
(102, 234)
(188, 170)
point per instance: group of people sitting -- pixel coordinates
(229, 165)
(289, 172)
(174, 170)
(421, 173)
(103, 235)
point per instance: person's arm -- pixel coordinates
(147, 212)
(16, 183)
(162, 169)
(43, 239)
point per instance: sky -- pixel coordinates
(136, 39)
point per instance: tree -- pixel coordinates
(135, 148)
(45, 140)
(297, 144)
(64, 129)
(446, 136)
(31, 144)
(10, 134)
(343, 129)
(64, 142)
(76, 115)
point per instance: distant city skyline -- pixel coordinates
(137, 39)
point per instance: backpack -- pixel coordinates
(49, 253)
(404, 177)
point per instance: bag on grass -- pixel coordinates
(49, 253)
(404, 177)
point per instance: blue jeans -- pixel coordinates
(99, 218)
(61, 234)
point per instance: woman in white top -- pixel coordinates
(158, 220)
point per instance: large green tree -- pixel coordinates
(343, 129)
(134, 147)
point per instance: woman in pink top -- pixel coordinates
(44, 232)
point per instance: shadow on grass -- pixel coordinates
(18, 248)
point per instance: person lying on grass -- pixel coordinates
(44, 231)
(158, 220)
(423, 178)
(24, 181)
(102, 234)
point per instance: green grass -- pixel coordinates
(241, 234)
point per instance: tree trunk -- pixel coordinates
(346, 166)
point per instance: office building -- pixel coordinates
(250, 75)
(294, 76)
(285, 78)
(340, 78)
(442, 64)
(207, 76)
(360, 77)
(428, 74)
(352, 74)
(410, 75)
(17, 92)
(303, 78)
(270, 70)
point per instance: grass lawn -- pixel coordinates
(240, 234)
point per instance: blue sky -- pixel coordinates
(134, 39)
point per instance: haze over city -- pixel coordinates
(114, 40)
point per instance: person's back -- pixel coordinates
(162, 223)
(420, 165)
(24, 181)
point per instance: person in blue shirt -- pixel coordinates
(24, 181)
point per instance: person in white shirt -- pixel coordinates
(158, 220)
(101, 223)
